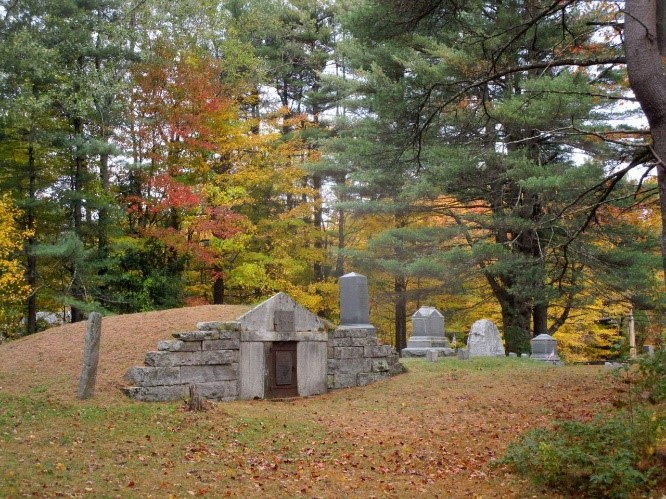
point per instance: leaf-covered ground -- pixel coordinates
(431, 432)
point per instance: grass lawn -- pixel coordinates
(430, 432)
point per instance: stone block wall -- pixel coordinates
(355, 358)
(207, 357)
(228, 363)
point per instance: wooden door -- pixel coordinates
(282, 370)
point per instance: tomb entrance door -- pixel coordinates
(282, 370)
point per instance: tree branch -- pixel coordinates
(421, 127)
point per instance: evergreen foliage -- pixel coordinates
(469, 104)
(163, 153)
(601, 458)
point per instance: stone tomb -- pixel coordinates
(278, 349)
(356, 358)
(283, 351)
(427, 335)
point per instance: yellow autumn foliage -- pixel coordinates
(13, 287)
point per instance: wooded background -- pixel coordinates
(484, 157)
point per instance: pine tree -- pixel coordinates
(30, 130)
(295, 41)
(487, 107)
(68, 87)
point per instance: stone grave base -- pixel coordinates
(355, 358)
(421, 352)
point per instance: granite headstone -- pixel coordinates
(544, 347)
(427, 334)
(354, 308)
(484, 340)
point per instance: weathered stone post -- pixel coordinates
(354, 308)
(90, 356)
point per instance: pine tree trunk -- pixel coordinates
(31, 305)
(645, 43)
(31, 260)
(218, 291)
(340, 259)
(77, 314)
(400, 305)
(540, 317)
(516, 318)
(103, 105)
(103, 222)
(77, 178)
(319, 226)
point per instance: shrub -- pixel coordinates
(607, 457)
(651, 382)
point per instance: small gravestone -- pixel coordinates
(484, 340)
(354, 308)
(648, 350)
(431, 355)
(90, 356)
(463, 354)
(544, 347)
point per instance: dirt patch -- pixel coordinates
(50, 361)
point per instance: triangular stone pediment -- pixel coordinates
(280, 313)
(427, 312)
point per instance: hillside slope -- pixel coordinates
(50, 361)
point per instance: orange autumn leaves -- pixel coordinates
(208, 162)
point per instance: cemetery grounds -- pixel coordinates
(432, 432)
